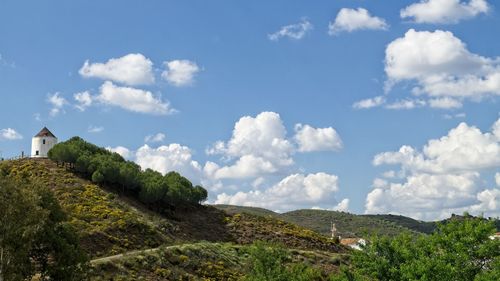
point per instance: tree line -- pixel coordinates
(103, 166)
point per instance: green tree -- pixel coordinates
(459, 250)
(34, 237)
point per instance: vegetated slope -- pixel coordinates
(232, 210)
(200, 261)
(348, 225)
(419, 226)
(110, 223)
(248, 228)
(105, 224)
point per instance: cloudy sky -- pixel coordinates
(350, 105)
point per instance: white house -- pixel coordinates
(42, 142)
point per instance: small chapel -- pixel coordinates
(42, 142)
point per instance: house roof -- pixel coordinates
(45, 133)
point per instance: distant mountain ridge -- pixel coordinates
(347, 224)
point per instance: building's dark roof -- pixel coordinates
(45, 133)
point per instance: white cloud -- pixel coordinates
(406, 104)
(441, 66)
(355, 19)
(465, 148)
(497, 179)
(95, 129)
(342, 206)
(445, 103)
(292, 192)
(425, 196)
(83, 99)
(444, 11)
(10, 134)
(133, 99)
(180, 72)
(317, 139)
(259, 144)
(247, 166)
(442, 179)
(369, 103)
(58, 102)
(166, 158)
(131, 69)
(159, 137)
(293, 31)
(123, 151)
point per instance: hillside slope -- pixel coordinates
(348, 225)
(106, 225)
(109, 223)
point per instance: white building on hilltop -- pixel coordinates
(42, 142)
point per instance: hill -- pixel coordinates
(348, 225)
(110, 223)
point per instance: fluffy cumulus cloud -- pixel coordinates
(159, 137)
(444, 11)
(180, 72)
(355, 19)
(133, 99)
(83, 100)
(441, 67)
(293, 31)
(123, 151)
(253, 165)
(10, 134)
(131, 69)
(57, 102)
(292, 192)
(317, 139)
(166, 158)
(441, 179)
(259, 144)
(465, 148)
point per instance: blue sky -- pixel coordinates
(361, 77)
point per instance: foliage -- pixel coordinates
(103, 166)
(35, 237)
(459, 250)
(268, 263)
